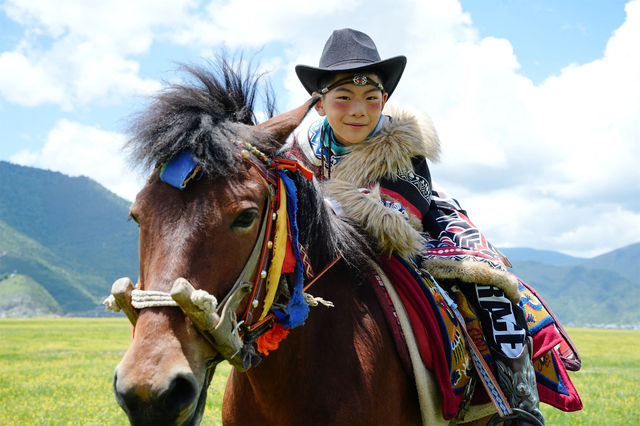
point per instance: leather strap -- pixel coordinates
(485, 375)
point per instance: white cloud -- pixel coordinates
(75, 53)
(523, 216)
(76, 149)
(254, 23)
(23, 83)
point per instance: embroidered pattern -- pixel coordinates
(321, 149)
(461, 240)
(419, 182)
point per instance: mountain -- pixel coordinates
(600, 290)
(523, 254)
(68, 234)
(625, 261)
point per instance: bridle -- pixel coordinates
(233, 338)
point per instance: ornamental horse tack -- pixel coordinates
(204, 292)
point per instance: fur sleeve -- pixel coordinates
(390, 230)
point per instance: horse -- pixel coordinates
(340, 367)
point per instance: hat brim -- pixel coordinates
(391, 70)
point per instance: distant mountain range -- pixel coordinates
(64, 240)
(521, 254)
(602, 290)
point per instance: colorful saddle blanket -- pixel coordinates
(443, 347)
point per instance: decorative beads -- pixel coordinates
(269, 245)
(263, 274)
(254, 303)
(248, 148)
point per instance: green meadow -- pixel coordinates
(58, 371)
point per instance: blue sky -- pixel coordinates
(535, 102)
(549, 35)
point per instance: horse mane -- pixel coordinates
(218, 107)
(327, 234)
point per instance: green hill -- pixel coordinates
(21, 254)
(600, 290)
(625, 261)
(70, 235)
(582, 295)
(21, 296)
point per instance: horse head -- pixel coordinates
(199, 236)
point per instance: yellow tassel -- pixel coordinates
(279, 251)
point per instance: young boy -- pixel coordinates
(375, 170)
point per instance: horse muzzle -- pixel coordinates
(178, 402)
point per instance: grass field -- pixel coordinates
(58, 371)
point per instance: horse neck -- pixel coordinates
(326, 339)
(340, 286)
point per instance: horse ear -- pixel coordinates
(281, 126)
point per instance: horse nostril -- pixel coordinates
(182, 393)
(117, 393)
(127, 398)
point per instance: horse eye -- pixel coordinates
(133, 218)
(245, 219)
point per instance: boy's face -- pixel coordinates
(352, 111)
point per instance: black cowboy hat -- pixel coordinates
(349, 50)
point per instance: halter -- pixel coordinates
(217, 322)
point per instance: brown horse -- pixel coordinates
(340, 367)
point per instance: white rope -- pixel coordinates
(315, 301)
(204, 301)
(111, 304)
(151, 299)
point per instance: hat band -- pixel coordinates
(357, 79)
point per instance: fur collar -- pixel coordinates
(407, 135)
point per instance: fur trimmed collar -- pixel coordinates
(408, 134)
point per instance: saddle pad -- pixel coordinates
(426, 385)
(544, 325)
(442, 348)
(437, 332)
(553, 353)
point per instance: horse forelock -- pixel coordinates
(204, 115)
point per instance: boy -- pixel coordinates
(376, 174)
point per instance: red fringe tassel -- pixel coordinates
(270, 340)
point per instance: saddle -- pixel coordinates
(444, 346)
